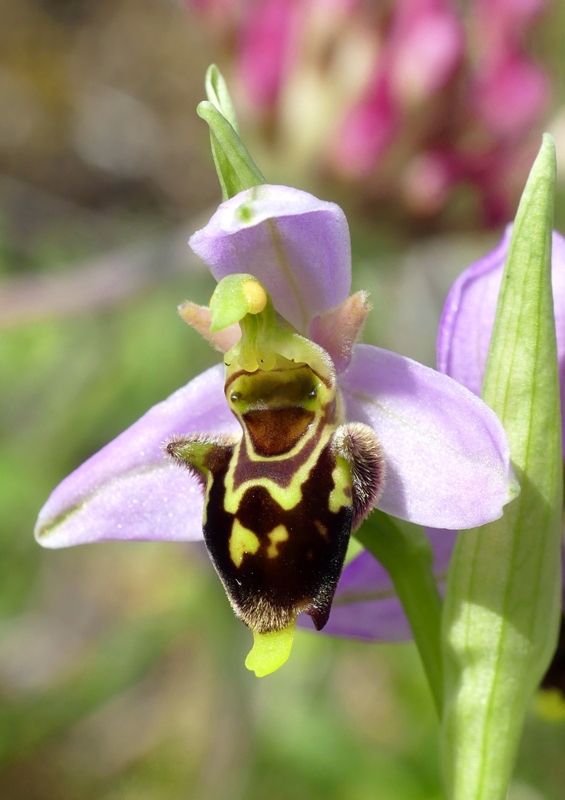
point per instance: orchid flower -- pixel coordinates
(277, 455)
(445, 452)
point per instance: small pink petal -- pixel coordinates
(339, 329)
(200, 318)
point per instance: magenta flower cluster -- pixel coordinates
(446, 96)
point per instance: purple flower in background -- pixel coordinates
(365, 605)
(446, 454)
(468, 315)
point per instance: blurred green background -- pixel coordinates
(121, 665)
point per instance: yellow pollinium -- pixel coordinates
(270, 650)
(255, 295)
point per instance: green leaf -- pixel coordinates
(236, 169)
(503, 596)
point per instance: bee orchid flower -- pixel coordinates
(276, 455)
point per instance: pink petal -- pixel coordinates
(511, 96)
(264, 49)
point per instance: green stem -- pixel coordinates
(407, 556)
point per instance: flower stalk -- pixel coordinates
(503, 596)
(407, 556)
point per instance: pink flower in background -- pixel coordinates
(265, 48)
(420, 54)
(411, 100)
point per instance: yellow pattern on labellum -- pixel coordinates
(270, 650)
(341, 475)
(242, 541)
(276, 536)
(255, 295)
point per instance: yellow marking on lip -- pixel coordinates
(289, 496)
(340, 497)
(270, 650)
(242, 541)
(276, 537)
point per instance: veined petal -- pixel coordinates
(446, 452)
(296, 245)
(467, 319)
(468, 316)
(129, 490)
(365, 604)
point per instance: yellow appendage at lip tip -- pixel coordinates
(255, 295)
(270, 650)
